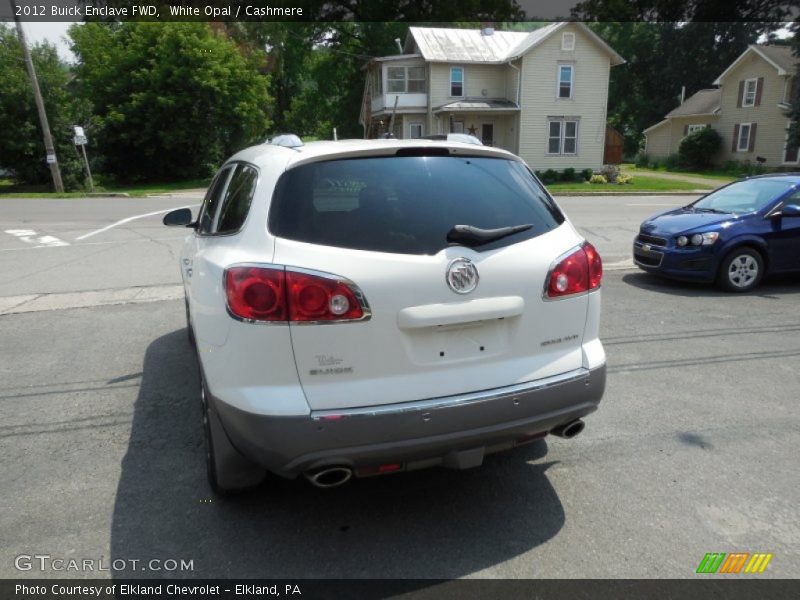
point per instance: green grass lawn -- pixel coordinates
(640, 183)
(9, 190)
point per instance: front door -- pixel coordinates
(487, 134)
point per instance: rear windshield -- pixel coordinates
(407, 204)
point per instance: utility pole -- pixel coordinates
(37, 96)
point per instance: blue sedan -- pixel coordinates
(733, 236)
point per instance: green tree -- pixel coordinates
(169, 101)
(21, 143)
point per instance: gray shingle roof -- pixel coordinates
(704, 102)
(781, 56)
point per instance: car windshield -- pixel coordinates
(409, 204)
(743, 196)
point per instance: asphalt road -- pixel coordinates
(693, 450)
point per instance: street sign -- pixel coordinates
(80, 137)
(51, 159)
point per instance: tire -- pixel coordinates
(228, 471)
(189, 327)
(741, 270)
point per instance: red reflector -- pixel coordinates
(578, 272)
(256, 293)
(379, 469)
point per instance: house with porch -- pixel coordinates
(749, 108)
(542, 95)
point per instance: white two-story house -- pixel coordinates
(542, 95)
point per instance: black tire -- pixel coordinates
(228, 471)
(189, 327)
(741, 270)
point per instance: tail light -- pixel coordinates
(579, 271)
(277, 294)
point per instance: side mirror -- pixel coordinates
(178, 218)
(790, 210)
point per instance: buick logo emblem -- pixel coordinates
(462, 276)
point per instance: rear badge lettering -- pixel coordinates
(331, 371)
(560, 340)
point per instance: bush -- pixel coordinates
(624, 178)
(587, 174)
(549, 176)
(672, 162)
(568, 175)
(610, 172)
(598, 179)
(699, 148)
(642, 160)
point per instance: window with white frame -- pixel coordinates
(457, 127)
(568, 41)
(562, 136)
(565, 76)
(405, 80)
(749, 92)
(744, 137)
(692, 128)
(457, 81)
(415, 130)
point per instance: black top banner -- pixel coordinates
(398, 10)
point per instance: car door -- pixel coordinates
(783, 239)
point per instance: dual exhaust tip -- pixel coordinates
(335, 475)
(569, 430)
(330, 476)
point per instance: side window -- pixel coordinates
(211, 201)
(237, 199)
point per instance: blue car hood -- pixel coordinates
(681, 220)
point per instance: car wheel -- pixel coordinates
(189, 327)
(741, 270)
(228, 471)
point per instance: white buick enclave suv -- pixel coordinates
(368, 307)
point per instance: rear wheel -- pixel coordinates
(228, 471)
(741, 270)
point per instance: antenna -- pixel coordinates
(399, 45)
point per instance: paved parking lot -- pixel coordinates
(693, 450)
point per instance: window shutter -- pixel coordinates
(759, 88)
(741, 93)
(793, 82)
(791, 154)
(735, 144)
(752, 137)
(685, 130)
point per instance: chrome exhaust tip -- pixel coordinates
(569, 430)
(329, 477)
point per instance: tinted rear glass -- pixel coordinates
(408, 204)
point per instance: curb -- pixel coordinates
(108, 195)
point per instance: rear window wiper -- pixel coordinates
(470, 236)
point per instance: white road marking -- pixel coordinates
(115, 242)
(29, 236)
(622, 265)
(134, 295)
(129, 219)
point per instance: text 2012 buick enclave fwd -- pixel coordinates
(368, 307)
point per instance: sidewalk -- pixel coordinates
(696, 179)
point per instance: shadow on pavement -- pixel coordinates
(428, 524)
(770, 285)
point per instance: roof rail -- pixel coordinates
(287, 140)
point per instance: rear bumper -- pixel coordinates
(454, 431)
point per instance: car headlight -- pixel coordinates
(682, 240)
(701, 239)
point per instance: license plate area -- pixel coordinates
(458, 343)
